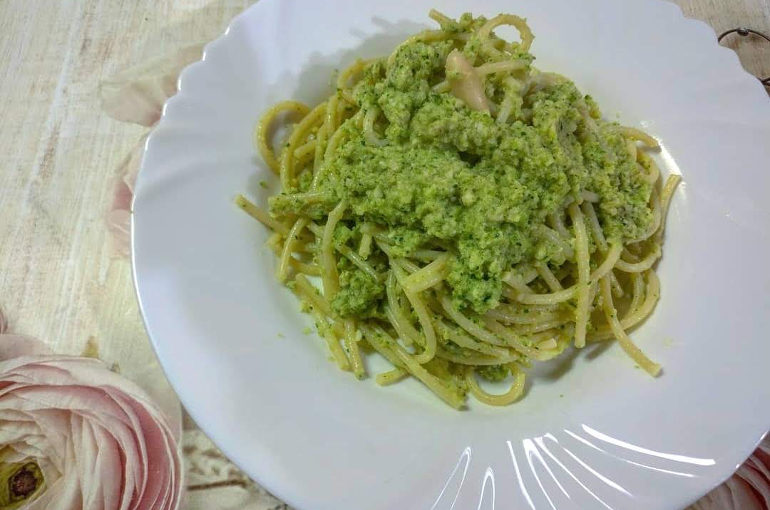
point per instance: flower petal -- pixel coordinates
(119, 226)
(64, 493)
(755, 479)
(137, 94)
(99, 439)
(12, 346)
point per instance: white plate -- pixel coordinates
(598, 435)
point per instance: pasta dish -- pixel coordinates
(463, 214)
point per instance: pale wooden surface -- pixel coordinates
(59, 153)
(58, 159)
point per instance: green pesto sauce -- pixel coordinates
(453, 176)
(494, 373)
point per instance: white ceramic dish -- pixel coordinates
(598, 435)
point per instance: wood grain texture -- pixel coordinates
(59, 279)
(59, 153)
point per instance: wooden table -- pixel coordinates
(59, 279)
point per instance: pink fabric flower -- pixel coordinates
(76, 435)
(137, 94)
(747, 489)
(119, 217)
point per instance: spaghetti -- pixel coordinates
(466, 214)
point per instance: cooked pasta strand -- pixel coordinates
(631, 349)
(581, 253)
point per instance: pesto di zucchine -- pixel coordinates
(464, 213)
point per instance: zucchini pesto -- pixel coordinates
(467, 214)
